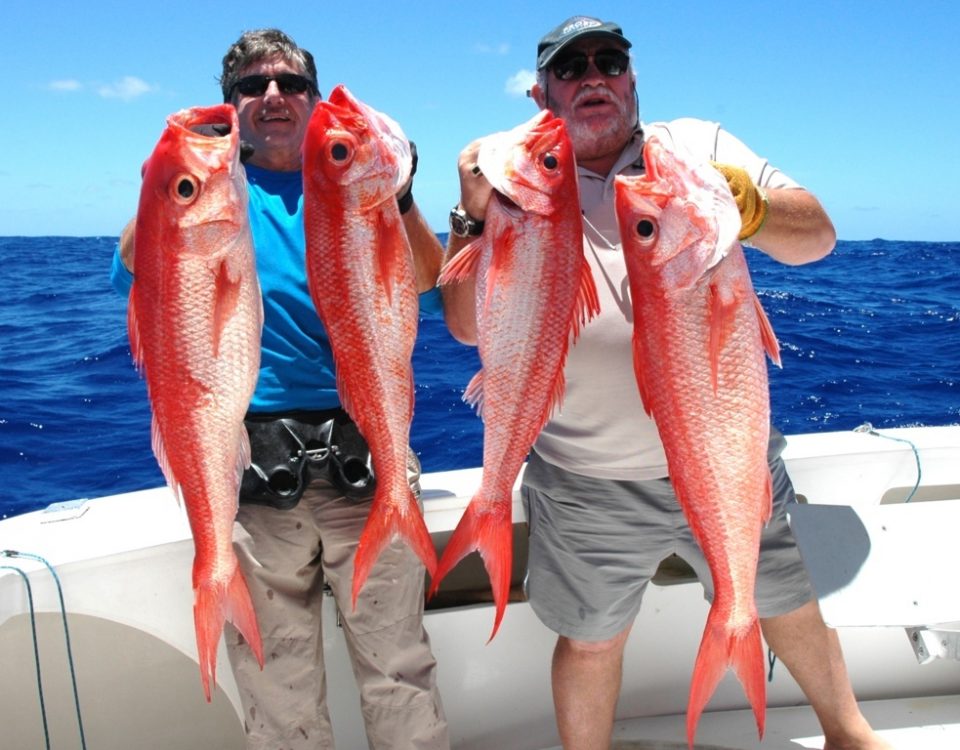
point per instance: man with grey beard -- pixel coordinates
(601, 510)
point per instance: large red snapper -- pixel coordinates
(698, 343)
(194, 320)
(362, 280)
(534, 292)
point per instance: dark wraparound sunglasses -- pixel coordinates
(610, 62)
(288, 83)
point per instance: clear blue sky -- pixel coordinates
(859, 101)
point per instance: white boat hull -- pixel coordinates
(124, 564)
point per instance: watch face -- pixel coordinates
(459, 224)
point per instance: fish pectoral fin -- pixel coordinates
(463, 265)
(226, 298)
(392, 251)
(722, 316)
(767, 335)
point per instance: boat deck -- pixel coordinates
(931, 723)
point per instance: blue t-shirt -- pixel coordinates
(296, 362)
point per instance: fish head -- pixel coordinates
(679, 216)
(352, 149)
(193, 182)
(533, 165)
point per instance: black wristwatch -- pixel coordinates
(464, 225)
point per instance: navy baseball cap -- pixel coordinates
(577, 27)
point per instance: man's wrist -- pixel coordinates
(463, 224)
(405, 201)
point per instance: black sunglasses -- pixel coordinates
(288, 83)
(610, 62)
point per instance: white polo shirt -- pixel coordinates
(601, 429)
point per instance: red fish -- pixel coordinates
(698, 344)
(534, 293)
(362, 281)
(194, 320)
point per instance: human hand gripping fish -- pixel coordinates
(698, 343)
(362, 280)
(194, 320)
(534, 291)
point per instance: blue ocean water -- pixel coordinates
(870, 334)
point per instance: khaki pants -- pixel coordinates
(286, 556)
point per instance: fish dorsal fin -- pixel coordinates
(588, 301)
(767, 335)
(586, 306)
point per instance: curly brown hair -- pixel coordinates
(262, 44)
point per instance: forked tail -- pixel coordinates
(213, 604)
(384, 522)
(491, 534)
(719, 649)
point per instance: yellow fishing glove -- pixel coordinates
(751, 200)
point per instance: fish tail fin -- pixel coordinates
(718, 649)
(383, 523)
(213, 604)
(490, 534)
(746, 656)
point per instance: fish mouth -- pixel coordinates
(508, 205)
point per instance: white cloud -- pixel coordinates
(67, 84)
(126, 89)
(520, 82)
(491, 49)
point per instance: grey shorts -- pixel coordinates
(596, 543)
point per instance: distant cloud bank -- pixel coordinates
(125, 89)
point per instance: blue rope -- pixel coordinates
(66, 632)
(868, 428)
(36, 649)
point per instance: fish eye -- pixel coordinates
(185, 188)
(550, 161)
(646, 229)
(339, 151)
